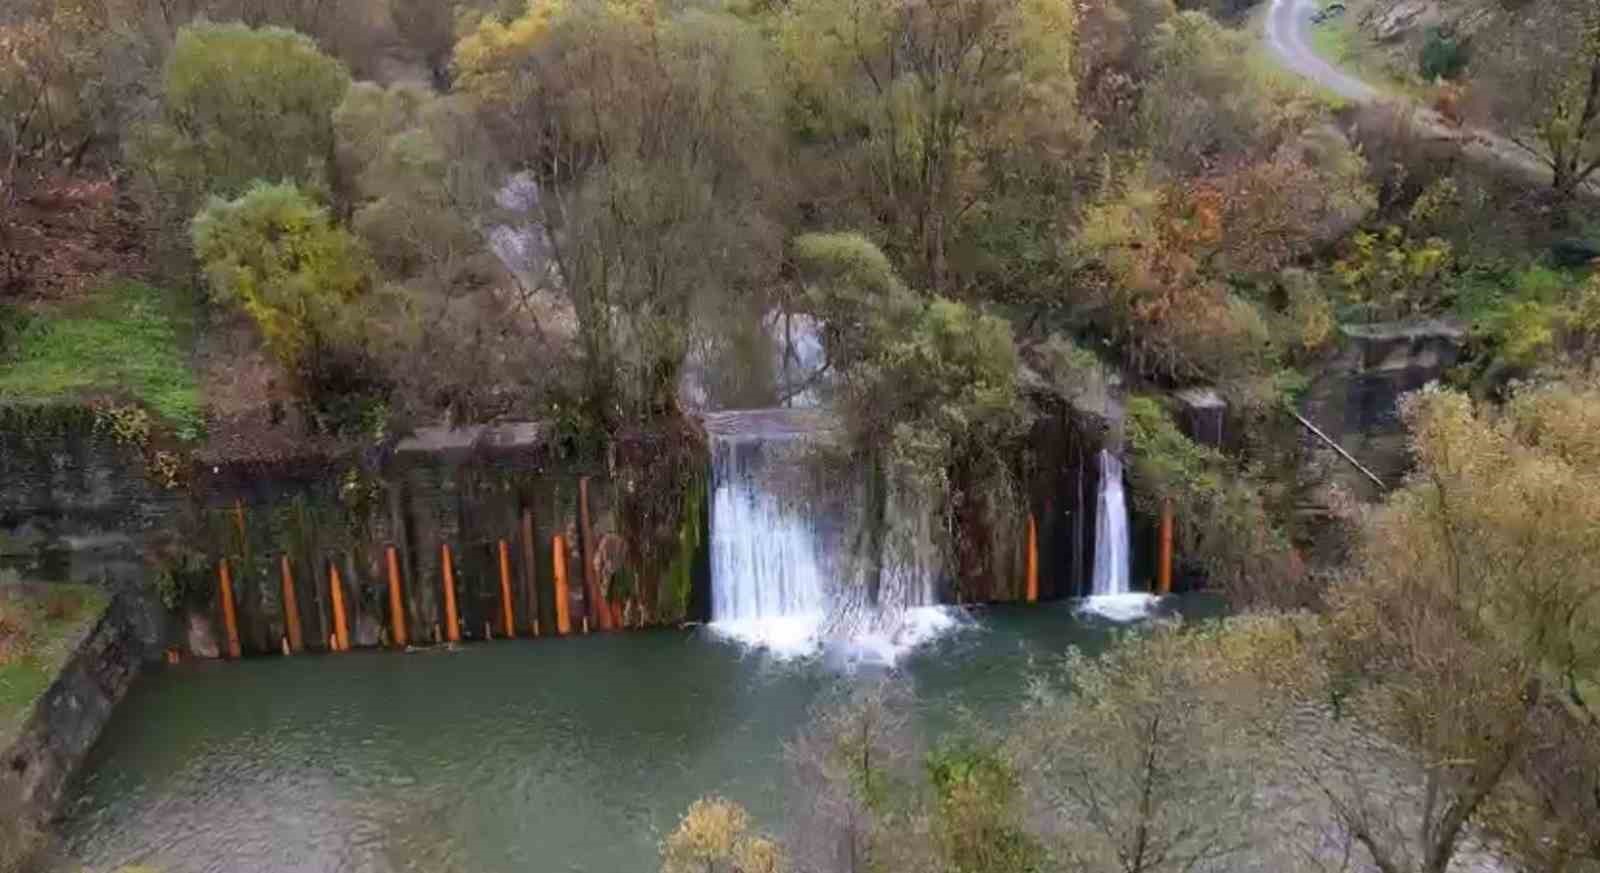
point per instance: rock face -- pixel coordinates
(67, 720)
(1355, 399)
(1393, 21)
(1203, 414)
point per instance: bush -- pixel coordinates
(1443, 56)
(238, 104)
(1223, 525)
(714, 836)
(278, 255)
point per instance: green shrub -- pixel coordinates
(1443, 56)
(239, 104)
(1223, 525)
(278, 255)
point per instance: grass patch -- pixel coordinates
(1267, 66)
(1335, 39)
(39, 624)
(127, 340)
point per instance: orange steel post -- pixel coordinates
(530, 571)
(230, 620)
(505, 591)
(1164, 568)
(599, 612)
(291, 607)
(341, 628)
(1033, 559)
(452, 622)
(397, 607)
(558, 555)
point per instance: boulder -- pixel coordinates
(202, 636)
(1203, 415)
(1400, 18)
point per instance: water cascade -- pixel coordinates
(780, 532)
(766, 586)
(1110, 595)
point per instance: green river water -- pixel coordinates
(572, 755)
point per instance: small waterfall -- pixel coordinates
(1110, 531)
(1110, 596)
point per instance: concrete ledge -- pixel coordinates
(64, 725)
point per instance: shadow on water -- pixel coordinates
(515, 756)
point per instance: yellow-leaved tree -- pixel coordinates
(1466, 649)
(714, 837)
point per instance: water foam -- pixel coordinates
(793, 637)
(1120, 607)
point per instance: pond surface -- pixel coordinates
(574, 755)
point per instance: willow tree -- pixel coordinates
(277, 255)
(236, 105)
(1466, 652)
(928, 388)
(649, 136)
(1147, 758)
(1538, 79)
(937, 112)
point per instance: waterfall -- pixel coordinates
(766, 582)
(781, 574)
(1110, 596)
(1110, 531)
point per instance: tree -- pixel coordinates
(278, 255)
(430, 27)
(1150, 761)
(1159, 262)
(425, 175)
(1223, 525)
(852, 772)
(714, 835)
(237, 104)
(422, 178)
(1464, 651)
(648, 139)
(978, 811)
(928, 389)
(69, 74)
(1198, 105)
(1541, 85)
(938, 111)
(1146, 288)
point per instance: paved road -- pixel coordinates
(1288, 35)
